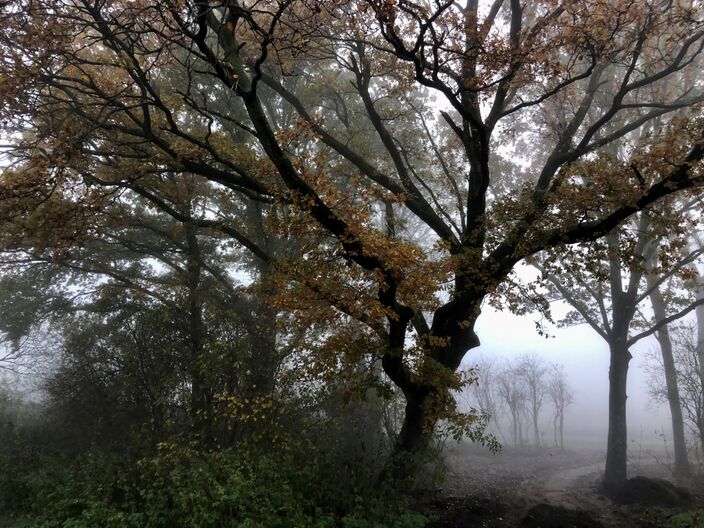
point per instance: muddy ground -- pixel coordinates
(550, 489)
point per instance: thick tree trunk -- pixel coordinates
(414, 435)
(412, 441)
(615, 474)
(673, 392)
(562, 430)
(426, 398)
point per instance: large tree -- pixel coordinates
(353, 125)
(608, 283)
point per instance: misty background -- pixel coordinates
(585, 357)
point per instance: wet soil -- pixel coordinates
(547, 488)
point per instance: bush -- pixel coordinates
(185, 488)
(689, 519)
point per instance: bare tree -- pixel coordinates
(512, 391)
(484, 394)
(560, 396)
(532, 370)
(688, 371)
(663, 336)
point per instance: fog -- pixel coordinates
(585, 357)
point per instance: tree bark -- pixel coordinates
(673, 393)
(615, 474)
(700, 355)
(412, 441)
(263, 360)
(201, 388)
(414, 435)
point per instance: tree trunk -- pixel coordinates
(263, 362)
(700, 352)
(554, 430)
(414, 435)
(700, 360)
(535, 427)
(615, 474)
(562, 430)
(673, 392)
(426, 399)
(201, 388)
(413, 439)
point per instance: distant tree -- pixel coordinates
(688, 369)
(532, 370)
(484, 393)
(511, 389)
(148, 305)
(561, 397)
(659, 304)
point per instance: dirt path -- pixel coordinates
(492, 490)
(473, 469)
(495, 490)
(564, 486)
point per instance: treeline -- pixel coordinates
(518, 395)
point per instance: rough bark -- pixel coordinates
(615, 474)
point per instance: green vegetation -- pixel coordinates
(689, 519)
(296, 484)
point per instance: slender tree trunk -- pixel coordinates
(263, 360)
(615, 474)
(201, 390)
(554, 430)
(700, 352)
(521, 439)
(673, 392)
(562, 430)
(535, 427)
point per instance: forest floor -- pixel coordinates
(491, 490)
